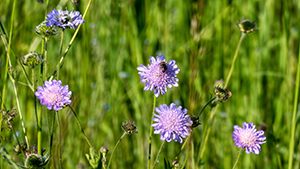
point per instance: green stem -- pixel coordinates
(292, 138)
(185, 161)
(188, 137)
(82, 131)
(60, 50)
(112, 154)
(6, 64)
(59, 138)
(208, 126)
(45, 58)
(157, 156)
(151, 132)
(183, 145)
(237, 159)
(19, 110)
(234, 59)
(212, 99)
(60, 64)
(52, 131)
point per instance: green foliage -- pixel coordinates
(201, 36)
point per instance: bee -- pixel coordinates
(163, 66)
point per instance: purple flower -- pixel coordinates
(248, 138)
(54, 94)
(172, 123)
(64, 19)
(159, 75)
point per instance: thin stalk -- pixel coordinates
(5, 42)
(82, 131)
(59, 138)
(60, 50)
(112, 154)
(6, 64)
(157, 156)
(234, 59)
(185, 161)
(45, 58)
(212, 99)
(203, 145)
(19, 110)
(60, 64)
(292, 138)
(52, 131)
(188, 137)
(237, 159)
(151, 132)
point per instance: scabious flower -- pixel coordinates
(159, 75)
(248, 138)
(54, 94)
(64, 19)
(173, 123)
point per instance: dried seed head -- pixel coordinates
(129, 127)
(246, 26)
(221, 94)
(195, 120)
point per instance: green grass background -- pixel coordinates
(202, 37)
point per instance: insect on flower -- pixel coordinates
(163, 66)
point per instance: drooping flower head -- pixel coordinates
(172, 123)
(54, 94)
(64, 19)
(159, 75)
(248, 138)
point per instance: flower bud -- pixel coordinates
(103, 149)
(45, 31)
(221, 94)
(32, 60)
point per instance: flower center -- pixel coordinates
(248, 138)
(53, 98)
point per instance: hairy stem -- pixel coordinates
(157, 156)
(112, 154)
(151, 132)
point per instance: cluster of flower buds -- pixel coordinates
(35, 160)
(221, 94)
(46, 31)
(32, 60)
(246, 26)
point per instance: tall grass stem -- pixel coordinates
(293, 125)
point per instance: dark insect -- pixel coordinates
(75, 2)
(163, 66)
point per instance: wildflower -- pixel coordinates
(129, 127)
(54, 94)
(173, 123)
(64, 19)
(44, 30)
(246, 26)
(159, 75)
(248, 138)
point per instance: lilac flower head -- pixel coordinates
(248, 138)
(173, 123)
(54, 94)
(159, 75)
(64, 19)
